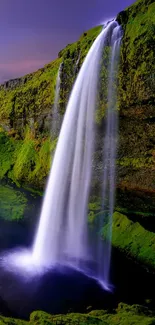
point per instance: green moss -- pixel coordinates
(41, 317)
(94, 205)
(103, 87)
(43, 161)
(26, 104)
(136, 162)
(133, 239)
(33, 161)
(94, 208)
(72, 57)
(12, 321)
(137, 71)
(87, 40)
(123, 315)
(12, 203)
(7, 148)
(130, 315)
(26, 161)
(83, 44)
(29, 96)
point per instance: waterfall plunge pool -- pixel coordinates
(62, 289)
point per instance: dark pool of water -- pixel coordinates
(56, 292)
(64, 290)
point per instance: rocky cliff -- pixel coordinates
(137, 102)
(26, 114)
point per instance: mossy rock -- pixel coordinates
(123, 315)
(133, 239)
(26, 162)
(137, 55)
(13, 203)
(12, 321)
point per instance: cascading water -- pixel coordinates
(62, 232)
(77, 63)
(61, 237)
(109, 158)
(55, 112)
(63, 223)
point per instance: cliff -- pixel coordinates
(137, 103)
(26, 114)
(133, 233)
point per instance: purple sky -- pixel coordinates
(32, 32)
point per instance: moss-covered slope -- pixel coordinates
(133, 239)
(26, 114)
(123, 315)
(28, 100)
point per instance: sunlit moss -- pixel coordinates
(133, 239)
(26, 161)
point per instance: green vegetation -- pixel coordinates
(136, 162)
(72, 57)
(134, 240)
(7, 148)
(11, 321)
(94, 208)
(26, 161)
(123, 315)
(128, 236)
(26, 147)
(136, 156)
(26, 104)
(83, 45)
(137, 82)
(22, 101)
(12, 203)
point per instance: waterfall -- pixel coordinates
(109, 158)
(77, 62)
(62, 231)
(55, 113)
(61, 237)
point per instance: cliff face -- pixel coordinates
(26, 112)
(137, 102)
(29, 100)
